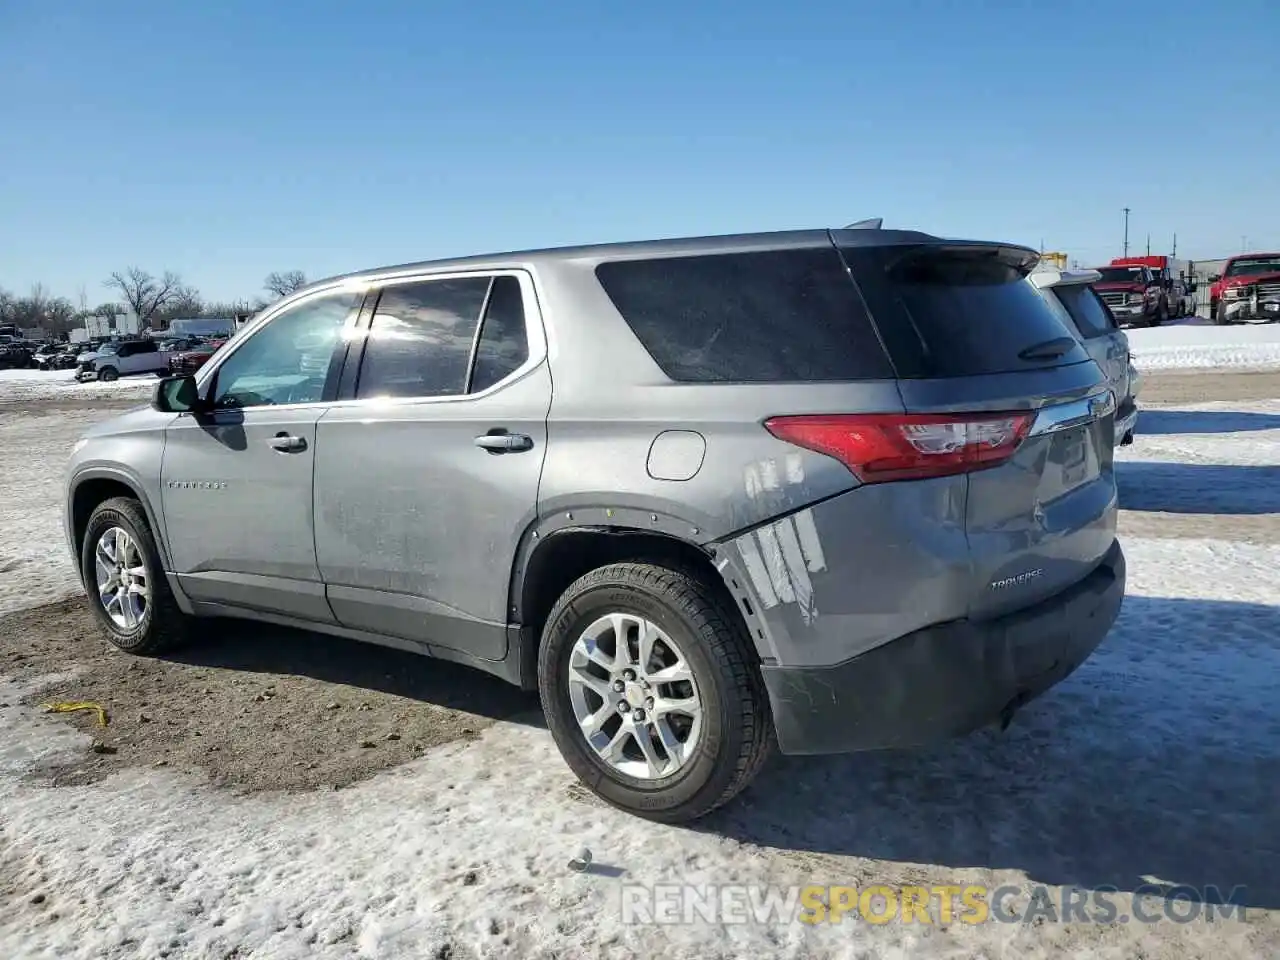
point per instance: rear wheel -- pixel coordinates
(651, 691)
(128, 593)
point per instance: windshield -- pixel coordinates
(1253, 266)
(1121, 274)
(109, 348)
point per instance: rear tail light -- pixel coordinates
(883, 447)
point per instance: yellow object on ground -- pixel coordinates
(75, 706)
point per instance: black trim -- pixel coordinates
(353, 354)
(475, 337)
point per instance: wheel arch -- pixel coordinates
(95, 485)
(553, 555)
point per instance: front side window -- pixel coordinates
(419, 342)
(286, 361)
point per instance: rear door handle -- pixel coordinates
(287, 444)
(499, 441)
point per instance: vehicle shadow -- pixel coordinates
(1165, 422)
(1206, 488)
(1158, 760)
(256, 648)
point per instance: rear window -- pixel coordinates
(769, 316)
(959, 311)
(1086, 308)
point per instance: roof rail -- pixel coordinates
(872, 224)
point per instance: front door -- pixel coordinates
(237, 480)
(428, 477)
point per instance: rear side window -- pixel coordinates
(419, 342)
(770, 316)
(503, 345)
(958, 311)
(1087, 309)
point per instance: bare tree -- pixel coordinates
(147, 295)
(38, 310)
(283, 284)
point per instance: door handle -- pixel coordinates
(287, 444)
(499, 441)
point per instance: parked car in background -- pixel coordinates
(45, 354)
(1134, 294)
(15, 355)
(1070, 294)
(787, 508)
(1247, 290)
(124, 358)
(193, 358)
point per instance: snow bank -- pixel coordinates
(25, 385)
(1194, 346)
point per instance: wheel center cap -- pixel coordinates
(634, 694)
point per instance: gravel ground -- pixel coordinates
(254, 707)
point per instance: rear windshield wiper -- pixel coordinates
(1049, 350)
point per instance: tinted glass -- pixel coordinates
(1122, 274)
(503, 345)
(420, 339)
(1090, 315)
(958, 312)
(1253, 267)
(772, 316)
(288, 360)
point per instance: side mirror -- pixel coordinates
(1215, 277)
(177, 395)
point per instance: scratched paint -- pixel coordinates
(754, 563)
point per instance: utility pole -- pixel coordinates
(1126, 231)
(1174, 255)
(1148, 244)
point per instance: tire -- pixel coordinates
(1220, 314)
(1162, 314)
(107, 374)
(736, 733)
(161, 626)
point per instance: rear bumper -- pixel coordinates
(947, 680)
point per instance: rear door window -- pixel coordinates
(767, 316)
(1088, 311)
(958, 311)
(419, 342)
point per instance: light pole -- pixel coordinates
(1126, 231)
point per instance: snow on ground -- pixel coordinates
(35, 562)
(1196, 345)
(1210, 458)
(1156, 761)
(17, 386)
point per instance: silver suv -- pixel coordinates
(838, 490)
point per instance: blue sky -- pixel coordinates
(225, 140)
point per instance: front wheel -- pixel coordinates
(651, 691)
(124, 577)
(1220, 314)
(108, 374)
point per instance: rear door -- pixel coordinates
(428, 475)
(968, 334)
